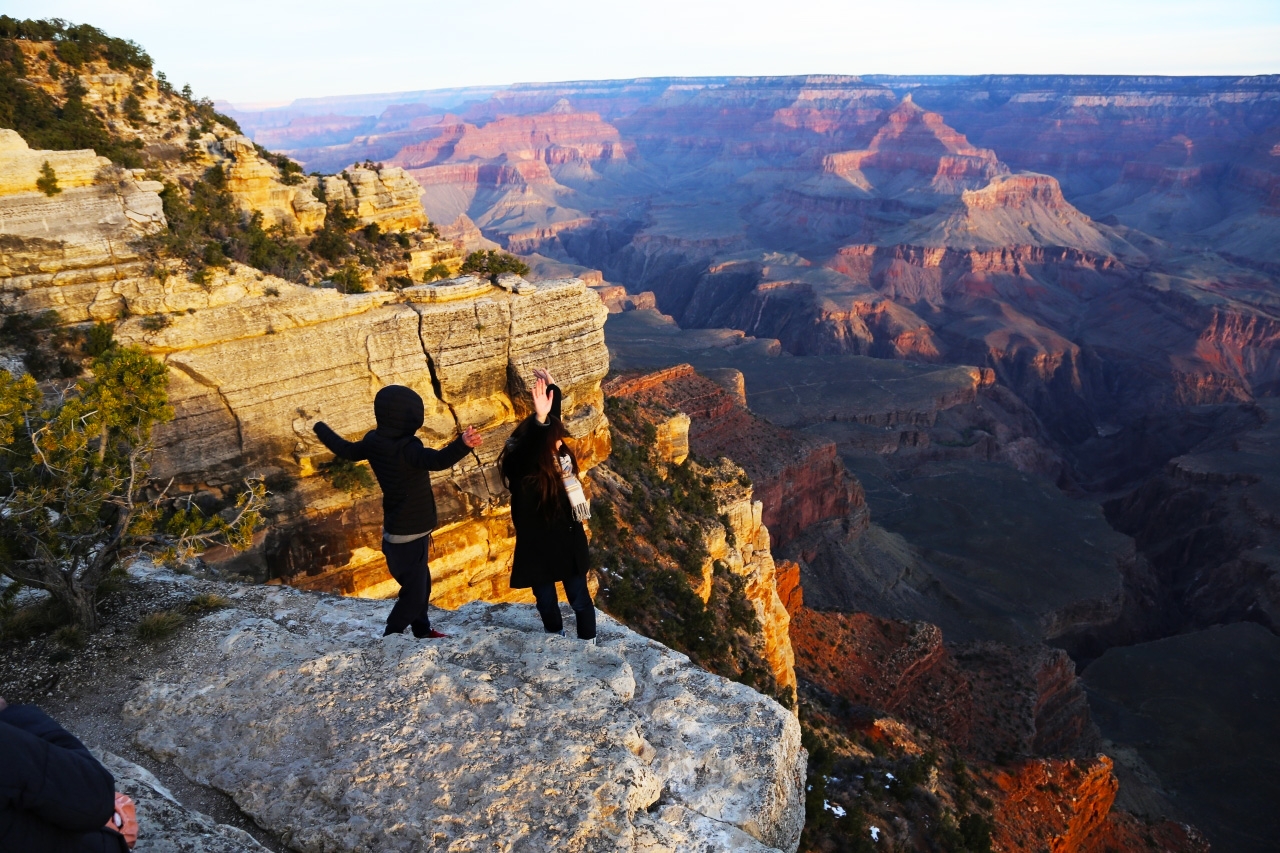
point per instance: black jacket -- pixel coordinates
(547, 549)
(398, 459)
(54, 795)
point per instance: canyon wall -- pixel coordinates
(941, 218)
(741, 540)
(261, 361)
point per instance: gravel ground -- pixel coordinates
(84, 689)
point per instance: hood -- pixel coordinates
(398, 410)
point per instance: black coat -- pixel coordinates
(547, 549)
(399, 460)
(55, 797)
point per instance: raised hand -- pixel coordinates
(541, 398)
(471, 438)
(544, 375)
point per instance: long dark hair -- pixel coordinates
(534, 445)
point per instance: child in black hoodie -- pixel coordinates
(401, 463)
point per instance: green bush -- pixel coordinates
(349, 279)
(492, 263)
(72, 480)
(44, 124)
(435, 272)
(350, 477)
(331, 243)
(80, 41)
(132, 109)
(47, 183)
(99, 338)
(49, 350)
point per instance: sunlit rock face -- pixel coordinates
(75, 251)
(742, 541)
(260, 361)
(501, 735)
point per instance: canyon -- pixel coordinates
(977, 373)
(1033, 318)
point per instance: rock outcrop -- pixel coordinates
(501, 736)
(166, 825)
(384, 196)
(984, 699)
(800, 480)
(75, 252)
(742, 540)
(256, 186)
(256, 362)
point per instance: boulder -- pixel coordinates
(166, 825)
(501, 737)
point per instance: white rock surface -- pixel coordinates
(498, 738)
(166, 825)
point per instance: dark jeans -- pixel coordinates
(407, 563)
(575, 589)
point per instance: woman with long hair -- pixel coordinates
(548, 508)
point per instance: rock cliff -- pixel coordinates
(383, 195)
(799, 480)
(256, 362)
(500, 736)
(76, 251)
(738, 541)
(256, 186)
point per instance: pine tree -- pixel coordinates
(72, 475)
(47, 183)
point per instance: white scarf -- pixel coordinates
(577, 499)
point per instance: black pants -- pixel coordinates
(575, 589)
(407, 563)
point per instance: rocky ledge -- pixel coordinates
(500, 738)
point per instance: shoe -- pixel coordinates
(591, 642)
(433, 634)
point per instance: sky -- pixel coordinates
(269, 52)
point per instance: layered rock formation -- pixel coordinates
(913, 241)
(75, 252)
(1064, 806)
(384, 196)
(984, 699)
(256, 186)
(740, 542)
(1208, 524)
(255, 363)
(503, 736)
(799, 480)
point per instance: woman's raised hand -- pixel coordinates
(544, 375)
(541, 397)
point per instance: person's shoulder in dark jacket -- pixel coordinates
(55, 797)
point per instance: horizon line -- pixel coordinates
(279, 104)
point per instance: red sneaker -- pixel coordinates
(433, 634)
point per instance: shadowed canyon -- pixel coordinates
(940, 410)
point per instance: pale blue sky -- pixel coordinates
(246, 51)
